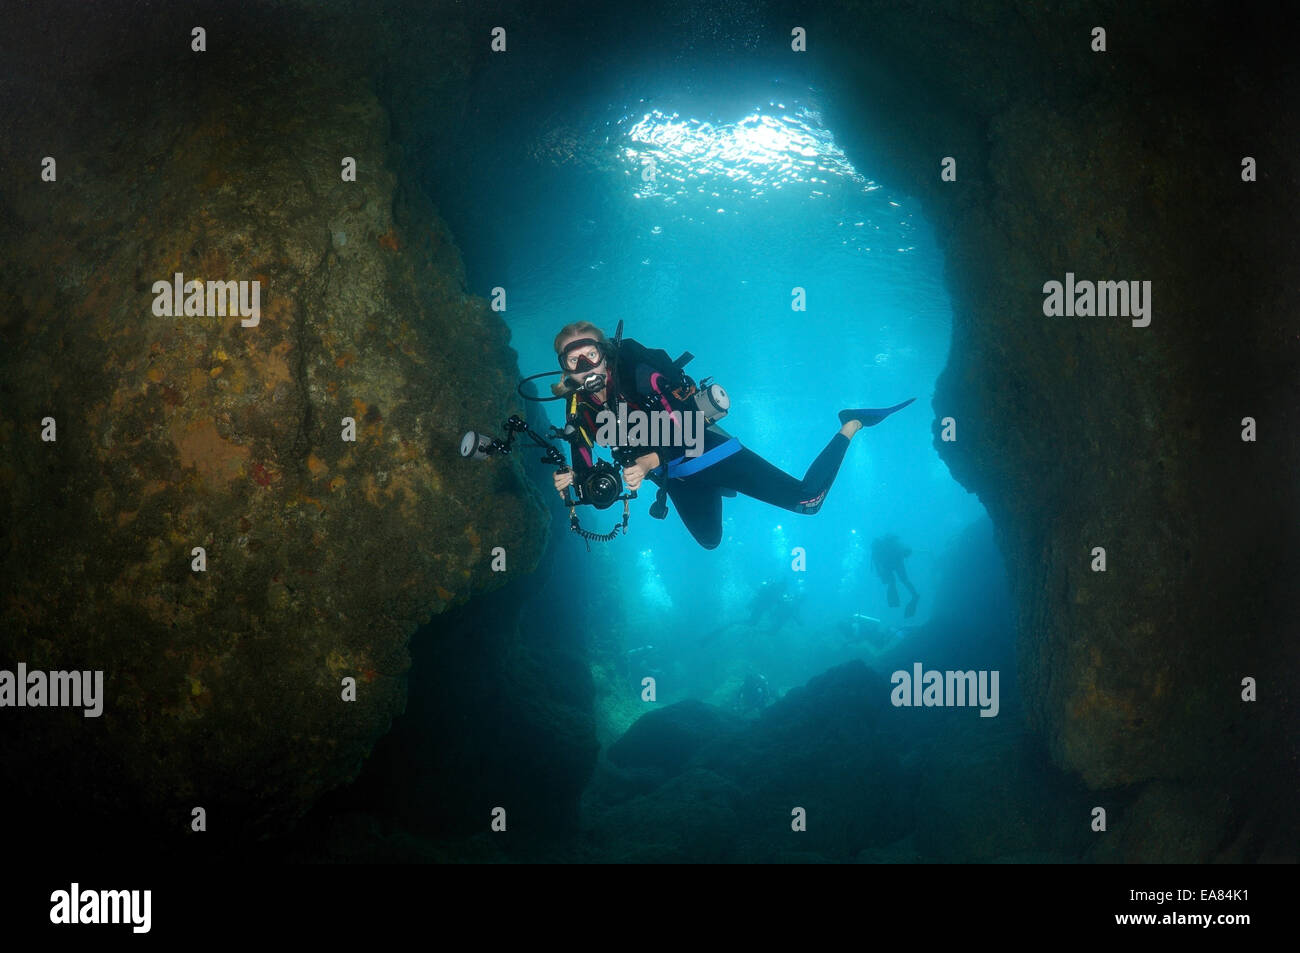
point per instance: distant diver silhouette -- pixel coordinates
(599, 375)
(772, 605)
(867, 634)
(887, 555)
(754, 695)
(775, 602)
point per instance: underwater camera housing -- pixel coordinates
(601, 487)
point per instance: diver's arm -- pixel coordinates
(655, 457)
(635, 474)
(665, 454)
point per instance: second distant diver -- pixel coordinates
(774, 602)
(648, 380)
(754, 695)
(887, 555)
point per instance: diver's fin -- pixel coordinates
(911, 607)
(869, 416)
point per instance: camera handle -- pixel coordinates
(569, 501)
(586, 534)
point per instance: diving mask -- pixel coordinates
(584, 361)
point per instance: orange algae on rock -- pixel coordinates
(201, 446)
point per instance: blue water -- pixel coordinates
(750, 198)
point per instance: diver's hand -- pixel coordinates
(634, 474)
(563, 480)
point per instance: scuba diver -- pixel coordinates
(636, 663)
(869, 636)
(771, 602)
(861, 629)
(755, 694)
(774, 601)
(887, 555)
(599, 374)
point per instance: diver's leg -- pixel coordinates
(911, 606)
(902, 576)
(817, 481)
(700, 507)
(748, 473)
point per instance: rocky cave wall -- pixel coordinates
(223, 687)
(1079, 432)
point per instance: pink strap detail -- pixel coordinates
(672, 414)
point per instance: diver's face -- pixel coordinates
(590, 352)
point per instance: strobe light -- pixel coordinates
(475, 445)
(713, 402)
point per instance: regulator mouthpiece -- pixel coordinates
(591, 383)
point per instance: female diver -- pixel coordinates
(648, 380)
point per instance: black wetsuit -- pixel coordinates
(645, 379)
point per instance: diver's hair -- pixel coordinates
(577, 329)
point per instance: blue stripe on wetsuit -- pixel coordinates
(685, 466)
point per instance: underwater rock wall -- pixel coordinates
(501, 714)
(692, 783)
(323, 554)
(1083, 432)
